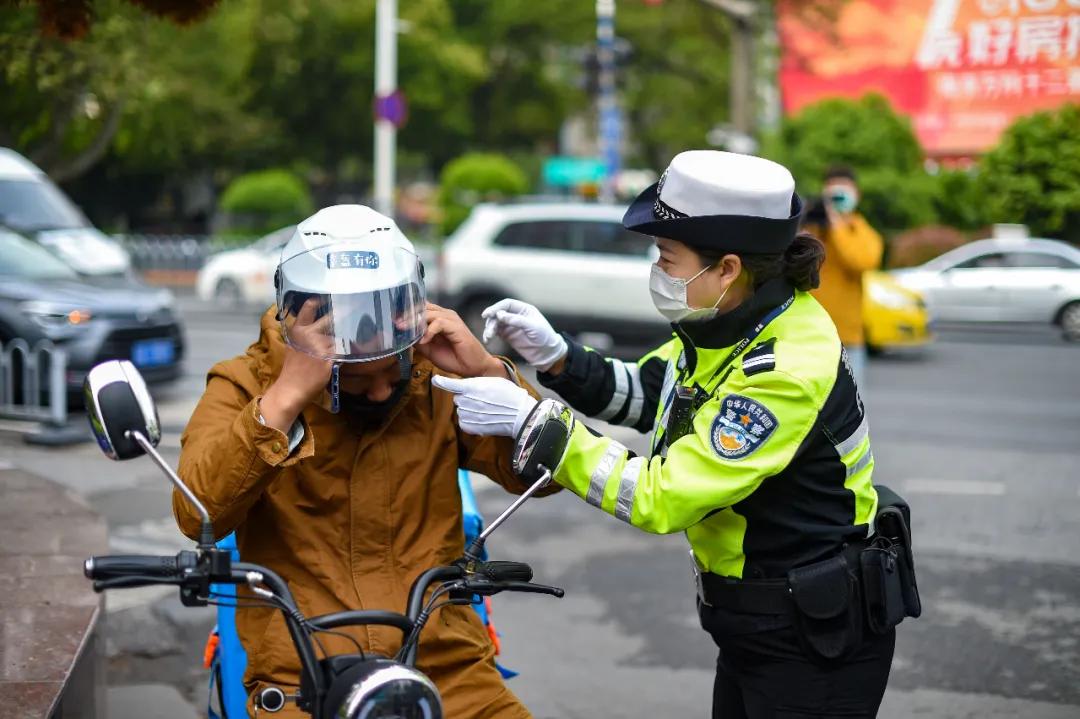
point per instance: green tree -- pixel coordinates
(869, 136)
(70, 19)
(151, 96)
(1033, 175)
(474, 178)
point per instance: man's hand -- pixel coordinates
(303, 376)
(488, 405)
(451, 347)
(526, 330)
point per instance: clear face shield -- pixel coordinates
(345, 304)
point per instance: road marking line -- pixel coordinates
(966, 487)
(4, 464)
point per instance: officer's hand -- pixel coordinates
(303, 376)
(526, 330)
(488, 405)
(451, 347)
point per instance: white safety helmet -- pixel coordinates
(350, 287)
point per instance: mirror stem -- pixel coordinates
(477, 546)
(206, 532)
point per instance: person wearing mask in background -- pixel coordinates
(349, 493)
(852, 248)
(760, 446)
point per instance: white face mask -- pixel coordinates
(669, 296)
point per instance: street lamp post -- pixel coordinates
(385, 87)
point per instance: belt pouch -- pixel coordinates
(828, 616)
(893, 522)
(882, 586)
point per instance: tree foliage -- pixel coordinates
(878, 143)
(1033, 175)
(72, 19)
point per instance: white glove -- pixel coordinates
(526, 330)
(488, 405)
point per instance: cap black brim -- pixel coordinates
(732, 233)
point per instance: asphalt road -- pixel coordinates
(980, 432)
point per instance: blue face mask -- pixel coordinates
(843, 199)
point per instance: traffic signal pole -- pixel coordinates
(609, 125)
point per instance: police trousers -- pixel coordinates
(766, 674)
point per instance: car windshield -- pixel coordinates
(32, 205)
(20, 257)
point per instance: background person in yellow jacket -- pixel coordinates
(852, 248)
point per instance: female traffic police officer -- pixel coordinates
(760, 448)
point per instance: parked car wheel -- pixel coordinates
(1070, 321)
(228, 293)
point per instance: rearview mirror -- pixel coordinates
(118, 405)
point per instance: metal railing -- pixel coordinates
(173, 252)
(33, 382)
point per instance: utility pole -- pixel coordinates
(386, 22)
(742, 14)
(610, 115)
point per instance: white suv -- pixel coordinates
(573, 261)
(32, 205)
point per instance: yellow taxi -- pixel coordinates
(893, 315)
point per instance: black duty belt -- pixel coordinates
(760, 596)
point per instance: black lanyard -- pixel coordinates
(753, 335)
(681, 405)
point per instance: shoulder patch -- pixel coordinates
(760, 359)
(741, 427)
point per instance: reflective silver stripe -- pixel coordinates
(855, 439)
(861, 464)
(669, 382)
(602, 473)
(763, 359)
(624, 505)
(637, 397)
(622, 387)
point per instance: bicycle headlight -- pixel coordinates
(382, 689)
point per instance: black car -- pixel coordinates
(42, 298)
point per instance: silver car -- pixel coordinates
(1003, 280)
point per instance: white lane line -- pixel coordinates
(965, 487)
(4, 464)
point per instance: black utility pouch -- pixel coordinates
(828, 616)
(882, 587)
(893, 522)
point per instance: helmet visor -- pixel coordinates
(371, 305)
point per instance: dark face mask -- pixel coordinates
(368, 413)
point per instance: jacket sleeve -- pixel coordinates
(623, 393)
(704, 471)
(228, 457)
(490, 456)
(855, 246)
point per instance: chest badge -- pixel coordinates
(741, 427)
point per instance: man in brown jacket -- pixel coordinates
(852, 248)
(349, 506)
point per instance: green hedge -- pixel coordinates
(473, 178)
(261, 202)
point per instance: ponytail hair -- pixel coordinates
(801, 263)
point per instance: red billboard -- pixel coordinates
(963, 70)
